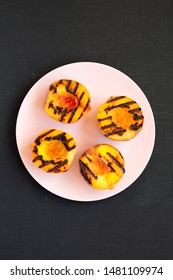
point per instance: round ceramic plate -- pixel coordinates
(102, 81)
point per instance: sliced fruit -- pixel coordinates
(67, 101)
(102, 166)
(53, 151)
(120, 118)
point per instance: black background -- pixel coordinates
(133, 36)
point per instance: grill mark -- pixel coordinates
(117, 162)
(138, 117)
(58, 165)
(104, 119)
(111, 168)
(63, 113)
(51, 105)
(86, 106)
(88, 158)
(108, 126)
(38, 158)
(37, 140)
(56, 109)
(119, 131)
(35, 150)
(52, 88)
(115, 98)
(74, 110)
(67, 85)
(135, 126)
(84, 167)
(134, 110)
(69, 140)
(72, 114)
(122, 105)
(84, 109)
(69, 148)
(75, 88)
(85, 175)
(61, 137)
(45, 162)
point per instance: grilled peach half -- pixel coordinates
(53, 151)
(102, 166)
(120, 118)
(67, 101)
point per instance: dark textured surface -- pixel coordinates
(133, 36)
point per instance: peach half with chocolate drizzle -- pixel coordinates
(120, 118)
(53, 151)
(102, 166)
(67, 101)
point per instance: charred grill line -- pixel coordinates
(64, 111)
(58, 109)
(72, 114)
(37, 158)
(104, 119)
(134, 110)
(84, 168)
(44, 162)
(86, 106)
(37, 140)
(111, 168)
(88, 158)
(118, 131)
(35, 150)
(67, 85)
(117, 162)
(135, 126)
(108, 126)
(84, 174)
(52, 88)
(51, 105)
(116, 98)
(58, 165)
(75, 88)
(61, 137)
(69, 140)
(80, 98)
(69, 148)
(138, 117)
(122, 105)
(75, 109)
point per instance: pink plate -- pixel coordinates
(102, 81)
